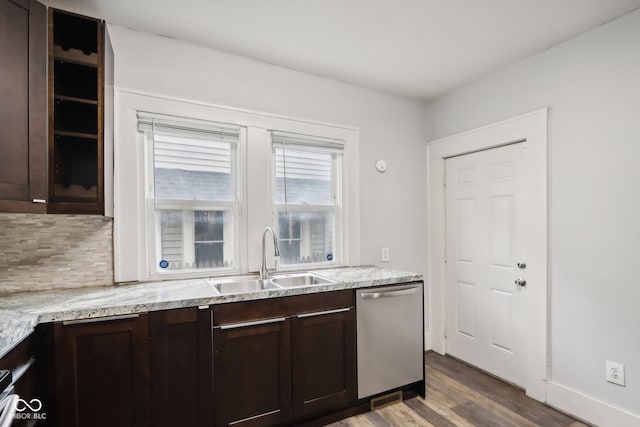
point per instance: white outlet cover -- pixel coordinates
(614, 372)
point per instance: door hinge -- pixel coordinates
(444, 180)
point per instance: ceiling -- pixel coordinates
(415, 48)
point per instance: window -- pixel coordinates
(307, 198)
(196, 185)
(193, 200)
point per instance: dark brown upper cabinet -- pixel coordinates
(23, 88)
(76, 116)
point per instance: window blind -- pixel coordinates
(192, 159)
(304, 168)
(304, 157)
(302, 142)
(179, 126)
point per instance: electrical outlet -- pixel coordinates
(384, 255)
(614, 372)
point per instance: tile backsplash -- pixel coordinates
(39, 252)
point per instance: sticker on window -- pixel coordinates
(164, 264)
(329, 257)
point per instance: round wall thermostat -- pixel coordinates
(381, 166)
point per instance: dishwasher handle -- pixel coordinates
(388, 294)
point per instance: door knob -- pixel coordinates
(520, 282)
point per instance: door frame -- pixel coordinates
(532, 129)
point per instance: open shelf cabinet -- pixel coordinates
(76, 113)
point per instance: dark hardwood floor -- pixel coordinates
(459, 395)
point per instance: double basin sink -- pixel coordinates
(240, 285)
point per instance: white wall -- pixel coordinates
(592, 86)
(393, 205)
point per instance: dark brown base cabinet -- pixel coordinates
(252, 371)
(181, 367)
(135, 370)
(271, 362)
(323, 361)
(284, 360)
(102, 372)
(21, 361)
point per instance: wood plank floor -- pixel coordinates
(459, 395)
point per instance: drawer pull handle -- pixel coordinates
(253, 323)
(322, 313)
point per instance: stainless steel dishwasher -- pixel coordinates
(390, 337)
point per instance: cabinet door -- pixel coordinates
(181, 367)
(23, 168)
(102, 372)
(21, 361)
(323, 358)
(252, 372)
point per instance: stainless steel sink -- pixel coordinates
(238, 286)
(300, 279)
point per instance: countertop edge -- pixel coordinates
(15, 327)
(117, 310)
(17, 324)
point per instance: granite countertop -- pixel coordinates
(21, 312)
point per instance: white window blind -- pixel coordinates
(193, 199)
(192, 159)
(165, 123)
(304, 168)
(306, 197)
(306, 142)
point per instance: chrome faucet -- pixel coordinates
(264, 271)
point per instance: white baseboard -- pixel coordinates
(588, 408)
(427, 341)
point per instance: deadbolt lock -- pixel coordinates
(522, 265)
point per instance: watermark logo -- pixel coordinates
(34, 405)
(29, 410)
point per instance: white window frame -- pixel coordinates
(154, 246)
(132, 236)
(337, 172)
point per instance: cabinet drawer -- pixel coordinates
(267, 308)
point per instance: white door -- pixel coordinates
(486, 208)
